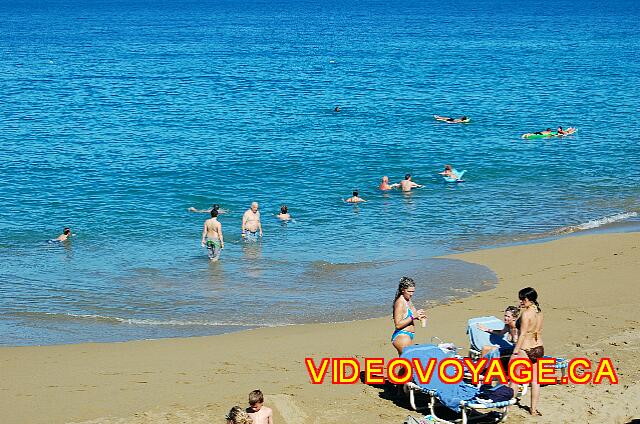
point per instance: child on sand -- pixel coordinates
(259, 413)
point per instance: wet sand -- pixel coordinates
(587, 288)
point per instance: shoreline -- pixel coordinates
(200, 378)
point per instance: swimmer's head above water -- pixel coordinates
(447, 167)
(66, 231)
(355, 193)
(336, 109)
(254, 207)
(284, 210)
(407, 177)
(214, 213)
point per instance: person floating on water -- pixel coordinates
(66, 233)
(448, 120)
(355, 198)
(213, 207)
(251, 225)
(407, 184)
(384, 184)
(212, 237)
(284, 213)
(448, 172)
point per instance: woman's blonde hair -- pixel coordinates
(238, 415)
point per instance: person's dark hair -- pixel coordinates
(355, 193)
(214, 213)
(256, 396)
(405, 283)
(215, 207)
(548, 129)
(530, 294)
(284, 209)
(464, 118)
(407, 176)
(560, 128)
(66, 231)
(447, 167)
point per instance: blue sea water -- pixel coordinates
(119, 115)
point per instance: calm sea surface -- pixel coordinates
(116, 116)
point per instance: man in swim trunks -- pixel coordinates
(407, 184)
(212, 236)
(251, 223)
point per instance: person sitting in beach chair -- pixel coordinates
(462, 397)
(497, 341)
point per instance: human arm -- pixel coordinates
(244, 223)
(399, 313)
(270, 417)
(486, 329)
(220, 234)
(204, 234)
(260, 227)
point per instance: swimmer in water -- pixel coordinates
(407, 184)
(448, 172)
(336, 109)
(213, 207)
(461, 120)
(384, 184)
(66, 233)
(355, 198)
(284, 213)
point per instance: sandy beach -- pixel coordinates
(587, 290)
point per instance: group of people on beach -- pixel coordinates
(256, 413)
(523, 325)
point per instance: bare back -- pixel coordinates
(531, 328)
(213, 228)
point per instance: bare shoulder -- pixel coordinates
(268, 410)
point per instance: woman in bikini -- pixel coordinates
(404, 313)
(530, 339)
(510, 316)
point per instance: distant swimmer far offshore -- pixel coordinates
(66, 234)
(355, 198)
(213, 207)
(549, 134)
(461, 120)
(452, 175)
(384, 184)
(407, 184)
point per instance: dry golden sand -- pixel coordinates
(588, 291)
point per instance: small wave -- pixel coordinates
(135, 321)
(595, 223)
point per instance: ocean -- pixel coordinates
(117, 116)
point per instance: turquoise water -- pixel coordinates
(118, 116)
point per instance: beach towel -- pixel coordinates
(449, 395)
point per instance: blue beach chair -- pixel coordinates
(460, 398)
(478, 338)
(504, 348)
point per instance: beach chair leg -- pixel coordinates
(412, 399)
(464, 415)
